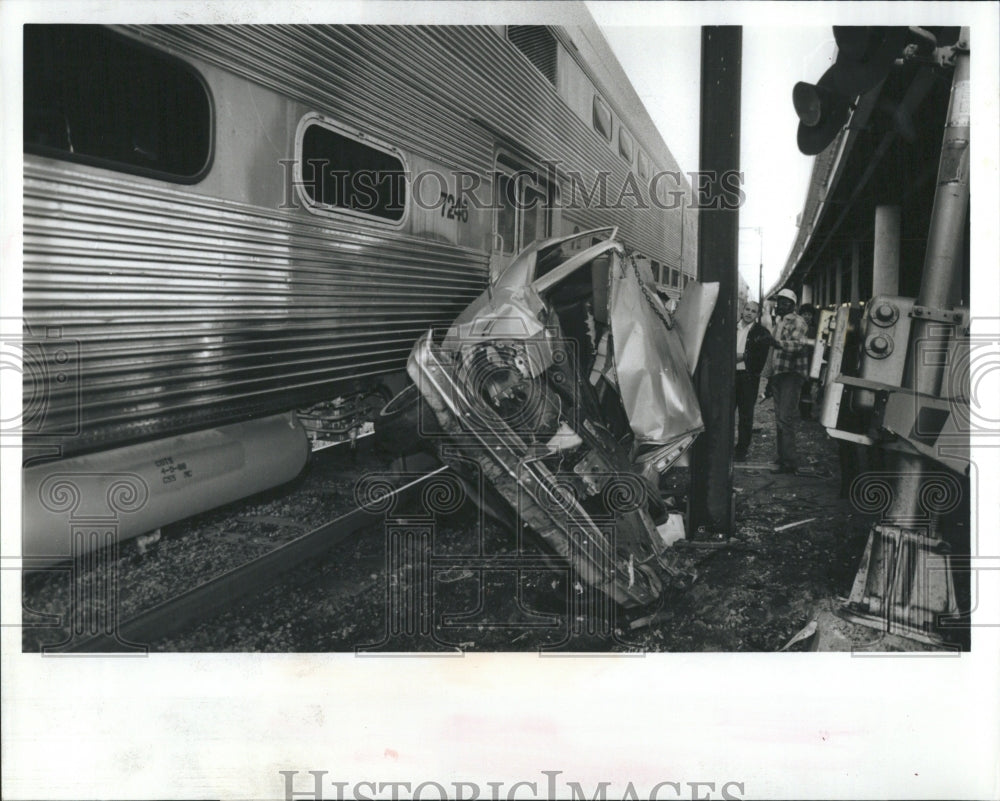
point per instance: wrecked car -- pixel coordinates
(569, 385)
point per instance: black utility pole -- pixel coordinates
(710, 500)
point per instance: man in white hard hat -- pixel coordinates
(790, 369)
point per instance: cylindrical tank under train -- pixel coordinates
(224, 224)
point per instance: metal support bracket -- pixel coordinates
(924, 422)
(904, 584)
(948, 316)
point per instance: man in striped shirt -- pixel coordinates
(791, 368)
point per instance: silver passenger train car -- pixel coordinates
(229, 230)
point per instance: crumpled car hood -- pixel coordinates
(653, 363)
(518, 387)
(653, 376)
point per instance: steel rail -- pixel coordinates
(213, 596)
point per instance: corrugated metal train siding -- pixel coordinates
(421, 88)
(190, 311)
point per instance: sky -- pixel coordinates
(663, 64)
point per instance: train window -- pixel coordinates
(642, 165)
(625, 145)
(534, 215)
(341, 173)
(523, 205)
(655, 267)
(674, 279)
(94, 96)
(602, 118)
(506, 212)
(539, 45)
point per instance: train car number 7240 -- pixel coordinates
(454, 209)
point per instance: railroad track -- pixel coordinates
(334, 588)
(215, 595)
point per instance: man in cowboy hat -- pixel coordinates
(790, 369)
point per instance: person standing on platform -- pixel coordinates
(791, 368)
(752, 344)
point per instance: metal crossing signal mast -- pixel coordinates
(910, 405)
